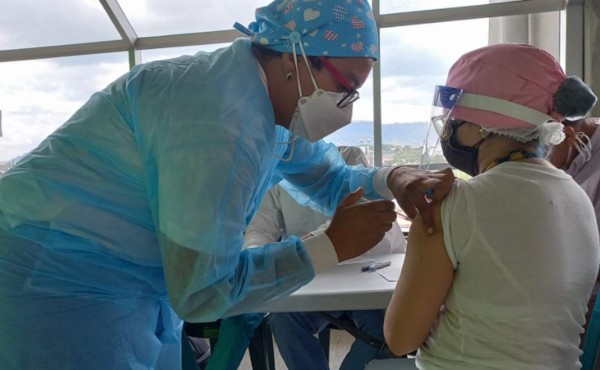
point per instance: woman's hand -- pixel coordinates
(357, 227)
(416, 190)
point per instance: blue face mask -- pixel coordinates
(464, 158)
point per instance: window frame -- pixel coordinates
(571, 40)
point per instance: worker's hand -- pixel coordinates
(416, 191)
(357, 227)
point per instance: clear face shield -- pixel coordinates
(444, 100)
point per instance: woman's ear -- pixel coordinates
(287, 64)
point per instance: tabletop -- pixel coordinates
(345, 287)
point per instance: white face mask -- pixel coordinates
(318, 115)
(583, 145)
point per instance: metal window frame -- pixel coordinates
(464, 13)
(131, 43)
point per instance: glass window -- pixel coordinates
(401, 6)
(38, 96)
(360, 131)
(159, 17)
(34, 23)
(410, 68)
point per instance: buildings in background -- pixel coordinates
(5, 166)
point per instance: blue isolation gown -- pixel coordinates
(130, 217)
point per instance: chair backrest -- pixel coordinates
(591, 343)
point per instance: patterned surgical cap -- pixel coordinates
(333, 28)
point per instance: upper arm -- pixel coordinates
(424, 282)
(318, 177)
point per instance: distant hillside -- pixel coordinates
(411, 134)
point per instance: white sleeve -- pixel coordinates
(380, 182)
(393, 242)
(396, 238)
(266, 225)
(321, 251)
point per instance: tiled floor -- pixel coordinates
(340, 345)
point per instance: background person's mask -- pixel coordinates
(318, 115)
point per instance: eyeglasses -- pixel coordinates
(351, 94)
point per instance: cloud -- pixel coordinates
(416, 58)
(401, 58)
(159, 17)
(38, 96)
(31, 23)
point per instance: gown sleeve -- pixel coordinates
(206, 146)
(317, 176)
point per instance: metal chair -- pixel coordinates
(346, 324)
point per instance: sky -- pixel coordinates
(38, 96)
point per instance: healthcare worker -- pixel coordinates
(130, 217)
(579, 156)
(278, 217)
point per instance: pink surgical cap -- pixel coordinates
(519, 73)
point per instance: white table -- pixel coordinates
(344, 287)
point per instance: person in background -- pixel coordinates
(504, 281)
(579, 156)
(130, 217)
(279, 217)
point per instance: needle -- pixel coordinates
(400, 213)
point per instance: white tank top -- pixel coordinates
(524, 243)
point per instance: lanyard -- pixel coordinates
(514, 155)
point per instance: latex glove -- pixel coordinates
(357, 227)
(410, 186)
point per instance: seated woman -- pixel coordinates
(504, 281)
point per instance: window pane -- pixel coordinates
(34, 23)
(411, 67)
(160, 17)
(40, 95)
(360, 131)
(400, 6)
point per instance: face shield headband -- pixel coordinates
(444, 100)
(544, 126)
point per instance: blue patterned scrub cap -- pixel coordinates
(332, 28)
